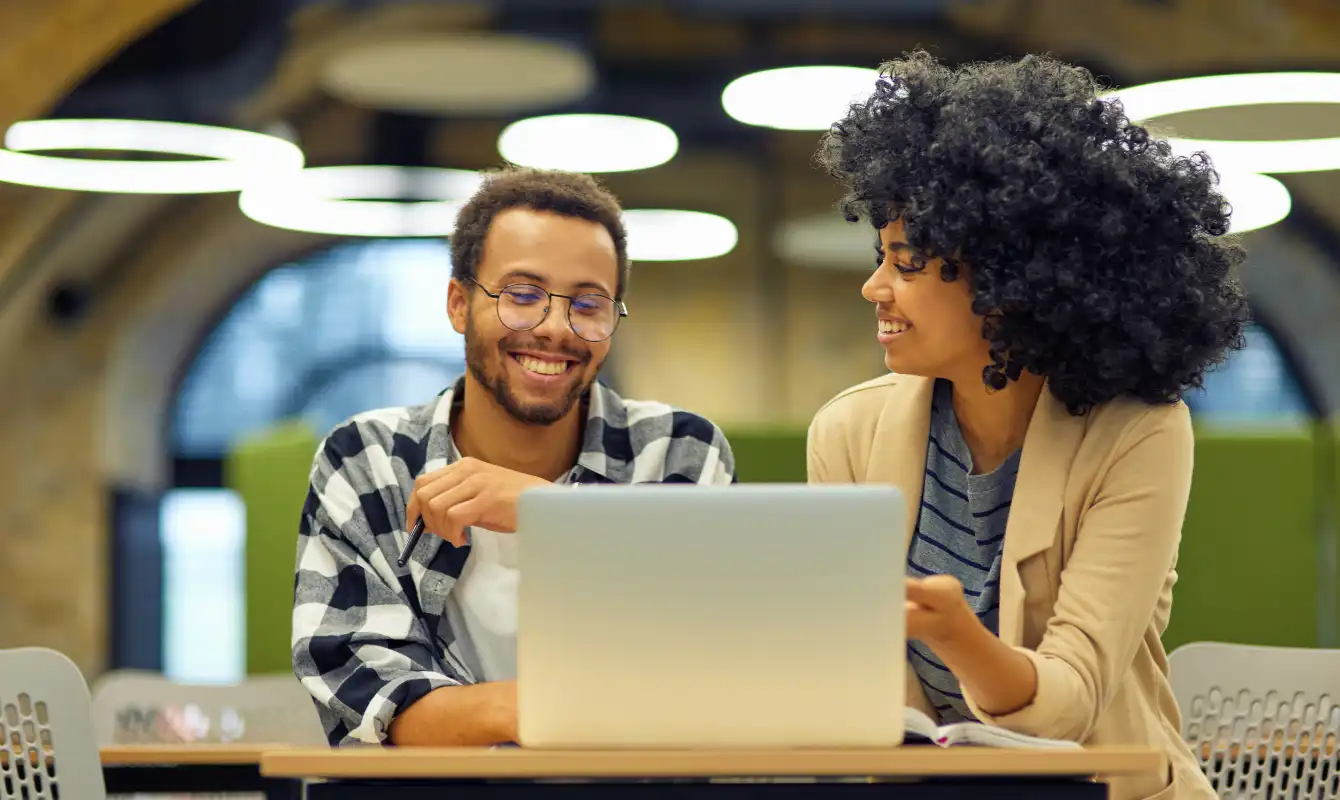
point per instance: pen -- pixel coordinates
(411, 543)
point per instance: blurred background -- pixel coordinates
(170, 361)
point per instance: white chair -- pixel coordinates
(133, 707)
(1264, 721)
(46, 722)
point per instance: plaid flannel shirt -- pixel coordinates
(369, 637)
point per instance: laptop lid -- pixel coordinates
(758, 615)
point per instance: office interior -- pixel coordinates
(171, 358)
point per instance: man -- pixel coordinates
(426, 655)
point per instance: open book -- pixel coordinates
(921, 729)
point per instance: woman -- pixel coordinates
(1049, 280)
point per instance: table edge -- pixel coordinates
(448, 763)
(173, 755)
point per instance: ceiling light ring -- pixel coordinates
(224, 159)
(320, 200)
(477, 73)
(664, 234)
(797, 98)
(588, 142)
(1150, 101)
(1258, 200)
(826, 241)
(363, 200)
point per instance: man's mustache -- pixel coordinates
(511, 343)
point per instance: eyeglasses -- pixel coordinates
(523, 306)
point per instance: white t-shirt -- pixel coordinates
(485, 595)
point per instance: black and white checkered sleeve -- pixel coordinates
(358, 646)
(675, 446)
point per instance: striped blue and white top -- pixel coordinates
(960, 532)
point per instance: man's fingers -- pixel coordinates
(461, 516)
(426, 488)
(460, 469)
(449, 511)
(427, 478)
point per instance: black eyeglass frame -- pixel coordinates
(619, 306)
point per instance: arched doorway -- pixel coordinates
(360, 325)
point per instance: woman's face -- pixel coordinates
(926, 325)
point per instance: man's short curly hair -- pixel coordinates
(568, 194)
(1097, 258)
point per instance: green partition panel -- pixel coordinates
(769, 455)
(269, 472)
(1249, 544)
(1329, 522)
(1248, 563)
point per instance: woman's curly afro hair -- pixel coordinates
(1096, 258)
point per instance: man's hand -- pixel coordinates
(468, 492)
(937, 612)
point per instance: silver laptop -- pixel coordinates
(676, 616)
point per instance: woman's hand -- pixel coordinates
(1000, 679)
(937, 612)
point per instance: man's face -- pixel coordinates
(537, 375)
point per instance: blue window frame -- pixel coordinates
(359, 326)
(1255, 387)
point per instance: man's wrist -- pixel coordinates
(502, 713)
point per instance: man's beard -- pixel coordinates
(476, 359)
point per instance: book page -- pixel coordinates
(918, 726)
(976, 733)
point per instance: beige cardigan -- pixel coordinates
(1089, 561)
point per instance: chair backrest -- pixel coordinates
(48, 749)
(132, 707)
(1264, 721)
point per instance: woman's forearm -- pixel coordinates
(1000, 679)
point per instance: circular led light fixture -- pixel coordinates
(1258, 200)
(1289, 155)
(826, 241)
(588, 143)
(797, 98)
(377, 201)
(474, 73)
(228, 160)
(1149, 101)
(1227, 91)
(670, 235)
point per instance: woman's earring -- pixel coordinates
(993, 375)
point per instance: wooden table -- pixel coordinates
(190, 768)
(917, 771)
